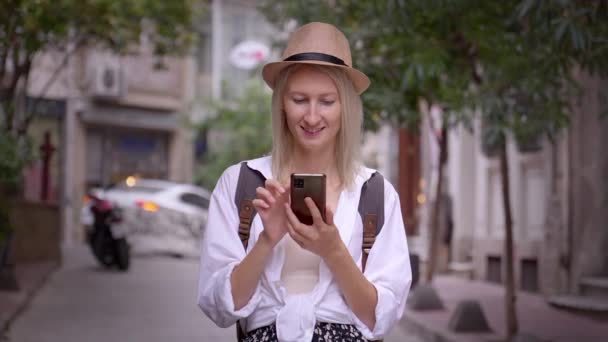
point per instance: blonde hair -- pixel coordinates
(348, 146)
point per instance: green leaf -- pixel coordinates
(512, 59)
(242, 127)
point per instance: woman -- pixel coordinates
(297, 282)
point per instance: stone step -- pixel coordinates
(461, 269)
(590, 305)
(596, 287)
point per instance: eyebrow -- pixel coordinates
(305, 94)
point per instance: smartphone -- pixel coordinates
(307, 185)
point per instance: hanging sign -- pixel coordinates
(249, 54)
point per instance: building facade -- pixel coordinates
(123, 115)
(559, 201)
(575, 258)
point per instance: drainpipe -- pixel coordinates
(216, 49)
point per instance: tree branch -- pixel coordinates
(3, 58)
(432, 126)
(10, 93)
(10, 36)
(21, 92)
(31, 113)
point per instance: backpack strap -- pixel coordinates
(249, 180)
(371, 209)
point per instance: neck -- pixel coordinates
(316, 162)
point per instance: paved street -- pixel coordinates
(154, 301)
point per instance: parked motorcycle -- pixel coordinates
(106, 238)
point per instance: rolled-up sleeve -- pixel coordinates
(388, 269)
(221, 251)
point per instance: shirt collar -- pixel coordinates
(264, 166)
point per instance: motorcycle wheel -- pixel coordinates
(100, 249)
(122, 254)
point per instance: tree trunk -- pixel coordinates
(5, 226)
(436, 210)
(510, 295)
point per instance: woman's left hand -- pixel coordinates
(321, 238)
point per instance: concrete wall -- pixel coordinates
(461, 172)
(43, 69)
(78, 177)
(37, 232)
(474, 184)
(181, 156)
(559, 201)
(165, 84)
(588, 190)
(380, 151)
(528, 206)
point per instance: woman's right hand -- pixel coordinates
(270, 205)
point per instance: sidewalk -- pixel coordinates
(156, 302)
(30, 277)
(535, 316)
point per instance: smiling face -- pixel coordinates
(312, 109)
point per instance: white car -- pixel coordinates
(158, 216)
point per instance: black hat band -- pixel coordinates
(315, 56)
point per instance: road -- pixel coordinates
(155, 301)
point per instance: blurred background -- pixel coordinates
(487, 117)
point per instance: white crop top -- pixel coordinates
(300, 271)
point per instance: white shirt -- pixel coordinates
(388, 266)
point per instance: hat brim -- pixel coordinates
(271, 70)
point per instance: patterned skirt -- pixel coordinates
(324, 332)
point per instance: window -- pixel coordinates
(494, 271)
(195, 200)
(529, 275)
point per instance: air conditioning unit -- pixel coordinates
(109, 81)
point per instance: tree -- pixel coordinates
(31, 28)
(508, 60)
(242, 131)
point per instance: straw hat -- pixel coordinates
(317, 43)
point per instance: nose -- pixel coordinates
(312, 117)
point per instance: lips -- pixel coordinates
(312, 132)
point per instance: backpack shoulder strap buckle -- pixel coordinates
(246, 214)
